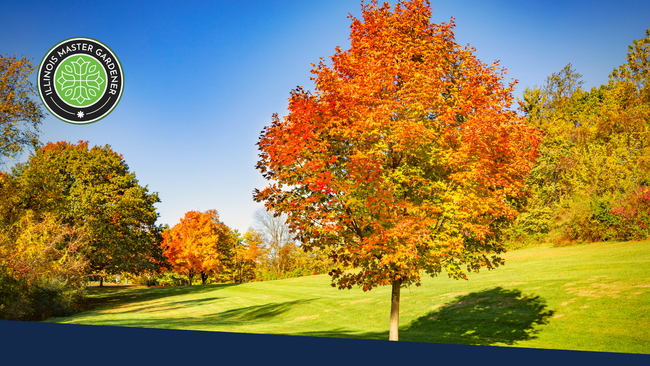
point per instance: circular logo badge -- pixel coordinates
(80, 80)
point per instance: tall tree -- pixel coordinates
(406, 159)
(20, 115)
(93, 187)
(199, 245)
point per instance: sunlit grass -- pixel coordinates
(587, 297)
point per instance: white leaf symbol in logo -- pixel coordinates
(80, 81)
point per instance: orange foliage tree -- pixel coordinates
(248, 254)
(199, 245)
(406, 159)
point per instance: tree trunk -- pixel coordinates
(204, 277)
(394, 310)
(101, 281)
(190, 276)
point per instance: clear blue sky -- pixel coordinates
(203, 78)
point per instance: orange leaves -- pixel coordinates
(406, 154)
(200, 243)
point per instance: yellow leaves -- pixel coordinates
(199, 243)
(19, 114)
(43, 247)
(405, 152)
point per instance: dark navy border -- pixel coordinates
(34, 343)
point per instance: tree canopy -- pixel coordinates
(19, 114)
(405, 159)
(592, 179)
(93, 188)
(200, 245)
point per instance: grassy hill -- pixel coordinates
(592, 297)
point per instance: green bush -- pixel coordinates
(171, 279)
(20, 300)
(48, 299)
(10, 295)
(145, 279)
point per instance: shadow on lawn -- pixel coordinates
(240, 316)
(490, 317)
(496, 316)
(482, 318)
(255, 313)
(112, 296)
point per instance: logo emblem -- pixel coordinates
(80, 80)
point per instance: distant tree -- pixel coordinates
(250, 254)
(10, 208)
(406, 160)
(199, 245)
(277, 238)
(20, 115)
(636, 71)
(93, 188)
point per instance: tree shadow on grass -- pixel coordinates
(496, 316)
(240, 316)
(170, 306)
(114, 296)
(490, 317)
(255, 313)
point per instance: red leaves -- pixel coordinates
(404, 156)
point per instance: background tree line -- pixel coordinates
(201, 250)
(592, 178)
(72, 214)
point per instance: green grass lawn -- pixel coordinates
(593, 297)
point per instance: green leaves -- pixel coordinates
(93, 187)
(595, 149)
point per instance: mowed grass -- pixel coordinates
(593, 297)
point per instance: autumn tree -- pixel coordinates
(249, 253)
(93, 188)
(44, 249)
(199, 245)
(594, 162)
(42, 261)
(406, 159)
(20, 115)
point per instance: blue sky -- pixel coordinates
(203, 78)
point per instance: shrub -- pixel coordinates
(47, 297)
(10, 294)
(145, 279)
(171, 279)
(633, 214)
